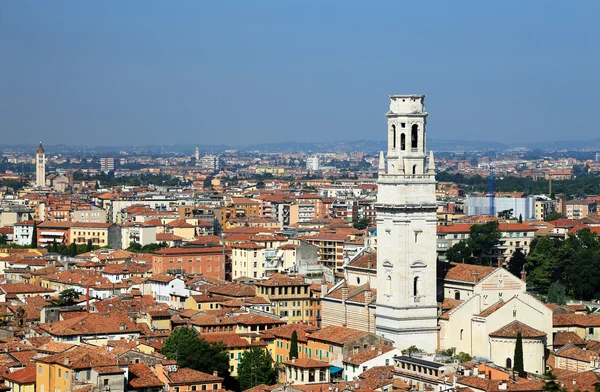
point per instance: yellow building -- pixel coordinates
(291, 297)
(204, 302)
(79, 366)
(278, 340)
(22, 380)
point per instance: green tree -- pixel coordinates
(72, 251)
(505, 214)
(462, 357)
(134, 247)
(520, 218)
(556, 294)
(460, 252)
(3, 239)
(217, 229)
(516, 262)
(482, 238)
(89, 247)
(54, 246)
(34, 236)
(204, 356)
(294, 345)
(518, 360)
(411, 350)
(208, 183)
(177, 340)
(361, 223)
(260, 185)
(67, 297)
(255, 368)
(541, 263)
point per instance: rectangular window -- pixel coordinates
(40, 370)
(59, 372)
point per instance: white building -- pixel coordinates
(489, 306)
(373, 356)
(521, 206)
(209, 162)
(107, 164)
(312, 163)
(168, 290)
(137, 232)
(40, 166)
(406, 229)
(23, 232)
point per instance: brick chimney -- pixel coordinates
(344, 291)
(501, 261)
(524, 275)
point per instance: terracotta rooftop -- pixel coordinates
(337, 335)
(141, 376)
(564, 338)
(468, 273)
(187, 376)
(368, 354)
(574, 319)
(512, 329)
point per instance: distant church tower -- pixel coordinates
(406, 230)
(40, 166)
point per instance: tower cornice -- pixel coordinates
(416, 114)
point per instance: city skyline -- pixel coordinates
(240, 74)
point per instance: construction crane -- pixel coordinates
(492, 211)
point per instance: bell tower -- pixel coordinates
(406, 230)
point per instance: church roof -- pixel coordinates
(512, 329)
(40, 149)
(468, 273)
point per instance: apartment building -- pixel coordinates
(579, 209)
(207, 261)
(248, 260)
(513, 236)
(291, 299)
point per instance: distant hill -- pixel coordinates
(367, 146)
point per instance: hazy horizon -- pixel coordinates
(244, 73)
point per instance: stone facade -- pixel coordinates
(406, 230)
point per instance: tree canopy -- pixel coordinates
(572, 262)
(255, 368)
(477, 248)
(184, 346)
(67, 297)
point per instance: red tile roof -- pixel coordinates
(337, 335)
(512, 329)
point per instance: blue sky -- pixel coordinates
(241, 72)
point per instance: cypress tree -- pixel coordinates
(89, 247)
(72, 251)
(518, 362)
(34, 236)
(294, 345)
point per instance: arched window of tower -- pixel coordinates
(416, 286)
(414, 169)
(415, 136)
(393, 136)
(403, 142)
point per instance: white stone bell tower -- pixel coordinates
(406, 230)
(40, 166)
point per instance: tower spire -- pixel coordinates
(381, 163)
(431, 164)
